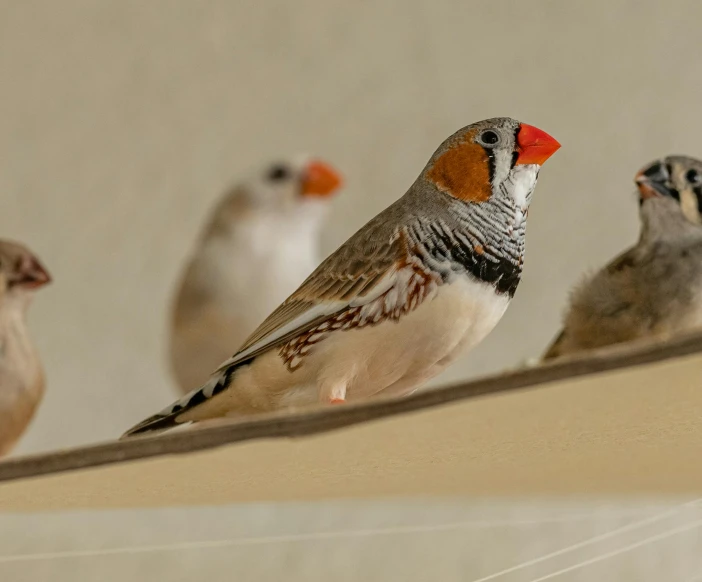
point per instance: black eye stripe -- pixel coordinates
(515, 153)
(515, 157)
(491, 162)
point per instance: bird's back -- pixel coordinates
(647, 291)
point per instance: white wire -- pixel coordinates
(629, 527)
(607, 555)
(206, 544)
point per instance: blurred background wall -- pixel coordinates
(122, 121)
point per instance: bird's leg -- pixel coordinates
(333, 393)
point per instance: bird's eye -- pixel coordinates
(693, 176)
(489, 137)
(278, 173)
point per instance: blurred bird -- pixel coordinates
(21, 373)
(419, 285)
(259, 244)
(654, 288)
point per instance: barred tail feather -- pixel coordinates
(168, 418)
(156, 423)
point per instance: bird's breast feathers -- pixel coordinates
(455, 315)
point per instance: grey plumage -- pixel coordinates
(654, 288)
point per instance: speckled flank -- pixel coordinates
(416, 286)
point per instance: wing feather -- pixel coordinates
(618, 269)
(357, 273)
(375, 260)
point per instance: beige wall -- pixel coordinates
(122, 120)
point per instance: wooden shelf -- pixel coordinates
(619, 421)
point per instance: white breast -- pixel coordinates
(21, 377)
(261, 264)
(244, 274)
(395, 357)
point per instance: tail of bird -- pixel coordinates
(156, 423)
(168, 417)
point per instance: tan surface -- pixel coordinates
(633, 431)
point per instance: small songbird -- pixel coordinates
(417, 286)
(259, 244)
(654, 288)
(21, 372)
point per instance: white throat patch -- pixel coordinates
(520, 185)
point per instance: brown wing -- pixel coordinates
(363, 267)
(619, 267)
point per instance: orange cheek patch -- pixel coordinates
(463, 172)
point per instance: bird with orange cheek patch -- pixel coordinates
(259, 243)
(416, 287)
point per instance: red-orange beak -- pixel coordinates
(320, 179)
(31, 274)
(534, 146)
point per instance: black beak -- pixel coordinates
(654, 181)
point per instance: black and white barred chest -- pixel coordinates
(488, 243)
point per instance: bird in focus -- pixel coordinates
(260, 242)
(654, 288)
(416, 287)
(21, 372)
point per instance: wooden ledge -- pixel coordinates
(445, 431)
(323, 420)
